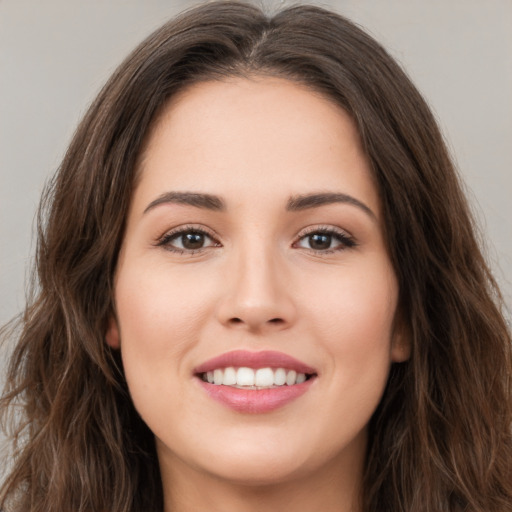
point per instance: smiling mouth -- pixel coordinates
(254, 379)
(251, 382)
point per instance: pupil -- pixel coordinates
(193, 240)
(319, 241)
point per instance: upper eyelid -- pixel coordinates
(308, 230)
(322, 228)
(166, 239)
(302, 232)
(186, 229)
(347, 240)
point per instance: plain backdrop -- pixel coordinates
(56, 54)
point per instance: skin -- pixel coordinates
(259, 283)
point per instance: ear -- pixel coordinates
(112, 335)
(400, 342)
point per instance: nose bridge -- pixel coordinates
(257, 275)
(256, 295)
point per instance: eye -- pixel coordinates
(187, 240)
(325, 240)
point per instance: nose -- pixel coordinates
(257, 296)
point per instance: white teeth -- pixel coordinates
(291, 377)
(255, 379)
(264, 377)
(300, 378)
(279, 377)
(217, 376)
(229, 377)
(245, 377)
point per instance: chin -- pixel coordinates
(263, 461)
(258, 472)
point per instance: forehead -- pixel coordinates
(266, 134)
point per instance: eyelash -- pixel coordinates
(167, 238)
(345, 240)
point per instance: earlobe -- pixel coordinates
(400, 343)
(400, 350)
(112, 335)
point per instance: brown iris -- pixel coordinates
(192, 240)
(320, 241)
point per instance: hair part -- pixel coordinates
(441, 438)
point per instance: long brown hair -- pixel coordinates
(440, 439)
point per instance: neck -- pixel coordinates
(336, 487)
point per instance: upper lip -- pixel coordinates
(255, 360)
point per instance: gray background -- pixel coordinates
(56, 54)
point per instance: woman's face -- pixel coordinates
(255, 240)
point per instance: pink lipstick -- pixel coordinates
(255, 382)
(265, 358)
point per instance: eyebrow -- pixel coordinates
(304, 202)
(294, 204)
(207, 201)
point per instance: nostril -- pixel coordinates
(276, 321)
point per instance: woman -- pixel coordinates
(259, 287)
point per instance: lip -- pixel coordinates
(254, 360)
(255, 401)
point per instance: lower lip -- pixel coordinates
(256, 401)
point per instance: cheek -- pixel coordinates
(160, 318)
(358, 306)
(354, 322)
(157, 306)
